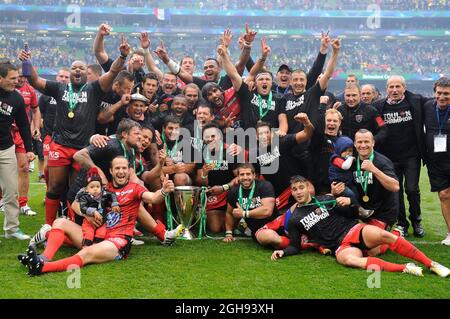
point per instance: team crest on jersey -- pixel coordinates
(359, 118)
(112, 219)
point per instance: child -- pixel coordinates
(94, 201)
(339, 171)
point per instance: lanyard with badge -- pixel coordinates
(263, 112)
(363, 180)
(249, 198)
(440, 140)
(73, 100)
(217, 163)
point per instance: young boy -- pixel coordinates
(339, 171)
(94, 200)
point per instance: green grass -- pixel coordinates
(213, 269)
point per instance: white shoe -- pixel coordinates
(26, 210)
(171, 235)
(439, 269)
(31, 167)
(137, 242)
(446, 241)
(39, 237)
(17, 235)
(413, 269)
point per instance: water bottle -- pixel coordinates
(26, 65)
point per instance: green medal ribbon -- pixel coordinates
(219, 162)
(125, 153)
(363, 180)
(171, 153)
(321, 204)
(263, 112)
(249, 198)
(73, 97)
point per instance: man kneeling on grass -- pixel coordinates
(335, 226)
(120, 226)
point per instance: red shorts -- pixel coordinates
(379, 224)
(283, 199)
(217, 201)
(352, 238)
(123, 244)
(20, 147)
(46, 145)
(60, 155)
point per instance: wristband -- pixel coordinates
(163, 193)
(204, 177)
(123, 56)
(95, 135)
(229, 233)
(173, 67)
(146, 50)
(246, 214)
(226, 187)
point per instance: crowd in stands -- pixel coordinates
(418, 57)
(253, 4)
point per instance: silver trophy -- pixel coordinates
(186, 201)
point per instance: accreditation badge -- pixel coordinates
(440, 143)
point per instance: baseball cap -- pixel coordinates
(284, 67)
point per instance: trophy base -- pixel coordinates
(186, 235)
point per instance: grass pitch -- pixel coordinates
(213, 269)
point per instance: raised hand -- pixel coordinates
(226, 38)
(145, 40)
(229, 120)
(265, 49)
(325, 42)
(125, 99)
(104, 29)
(161, 52)
(167, 185)
(124, 47)
(222, 50)
(302, 118)
(336, 44)
(24, 56)
(249, 34)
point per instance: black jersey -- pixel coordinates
(12, 109)
(278, 160)
(263, 189)
(222, 173)
(326, 225)
(75, 132)
(384, 202)
(250, 107)
(362, 116)
(47, 106)
(109, 99)
(401, 142)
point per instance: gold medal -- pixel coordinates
(70, 115)
(365, 198)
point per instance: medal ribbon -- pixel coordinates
(249, 198)
(218, 162)
(170, 153)
(263, 112)
(73, 97)
(363, 180)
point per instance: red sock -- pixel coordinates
(61, 265)
(284, 242)
(67, 241)
(384, 265)
(159, 230)
(383, 248)
(403, 247)
(23, 200)
(54, 241)
(51, 209)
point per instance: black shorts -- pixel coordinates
(38, 149)
(439, 175)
